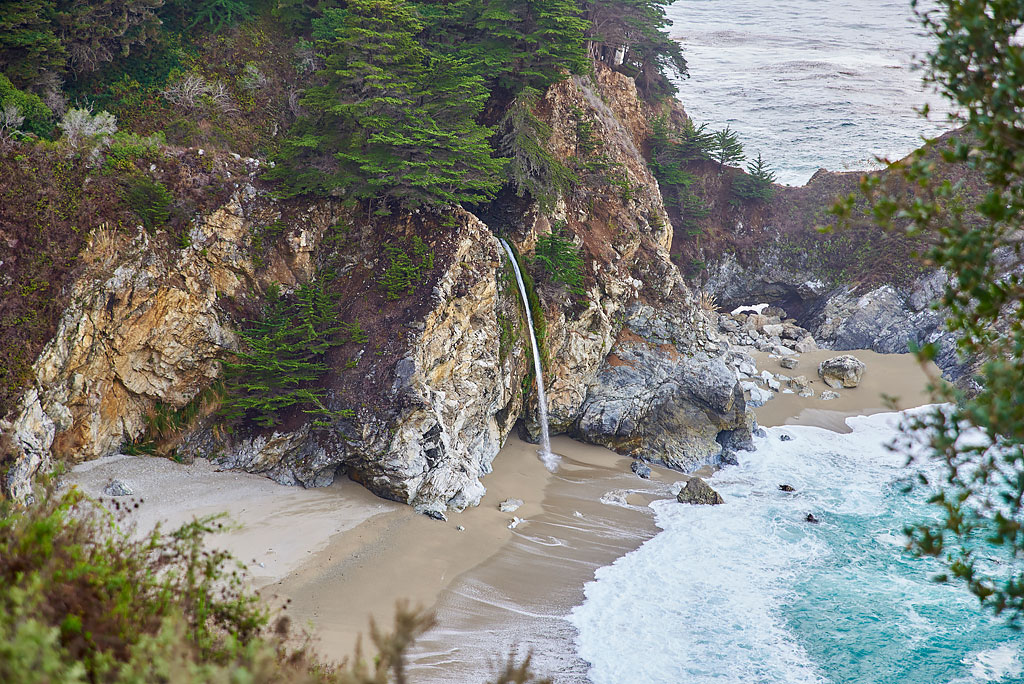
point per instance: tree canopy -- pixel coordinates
(398, 120)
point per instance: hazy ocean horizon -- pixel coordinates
(808, 83)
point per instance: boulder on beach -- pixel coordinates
(802, 386)
(698, 492)
(510, 505)
(842, 371)
(786, 488)
(788, 362)
(828, 395)
(641, 469)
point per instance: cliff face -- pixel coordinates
(854, 287)
(438, 385)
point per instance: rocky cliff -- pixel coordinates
(854, 287)
(442, 376)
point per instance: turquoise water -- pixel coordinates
(750, 592)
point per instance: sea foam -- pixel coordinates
(750, 592)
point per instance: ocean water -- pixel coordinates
(750, 593)
(808, 83)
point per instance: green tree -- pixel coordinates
(516, 44)
(638, 27)
(557, 254)
(524, 138)
(726, 148)
(398, 121)
(58, 36)
(283, 357)
(756, 185)
(978, 440)
(28, 44)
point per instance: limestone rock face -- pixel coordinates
(841, 371)
(698, 492)
(659, 399)
(448, 393)
(144, 327)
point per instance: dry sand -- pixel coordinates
(342, 555)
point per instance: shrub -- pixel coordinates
(283, 359)
(82, 128)
(756, 184)
(405, 273)
(559, 256)
(150, 201)
(38, 118)
(79, 597)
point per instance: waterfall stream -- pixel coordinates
(550, 460)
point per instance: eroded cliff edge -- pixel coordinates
(443, 376)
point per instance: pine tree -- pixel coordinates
(756, 184)
(28, 44)
(282, 357)
(398, 120)
(517, 44)
(727, 148)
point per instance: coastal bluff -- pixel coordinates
(441, 377)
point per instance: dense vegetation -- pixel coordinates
(979, 441)
(399, 100)
(84, 600)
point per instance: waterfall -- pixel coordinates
(550, 460)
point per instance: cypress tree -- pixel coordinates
(727, 148)
(398, 121)
(282, 356)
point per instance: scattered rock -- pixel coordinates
(118, 488)
(759, 397)
(773, 384)
(828, 395)
(785, 438)
(802, 386)
(435, 514)
(782, 350)
(515, 522)
(811, 519)
(641, 469)
(805, 345)
(842, 371)
(728, 458)
(697, 491)
(460, 528)
(773, 329)
(788, 362)
(510, 505)
(787, 488)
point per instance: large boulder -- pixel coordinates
(697, 491)
(841, 371)
(662, 402)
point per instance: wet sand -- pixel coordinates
(342, 555)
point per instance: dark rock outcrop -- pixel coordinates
(698, 492)
(658, 398)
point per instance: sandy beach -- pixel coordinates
(342, 555)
